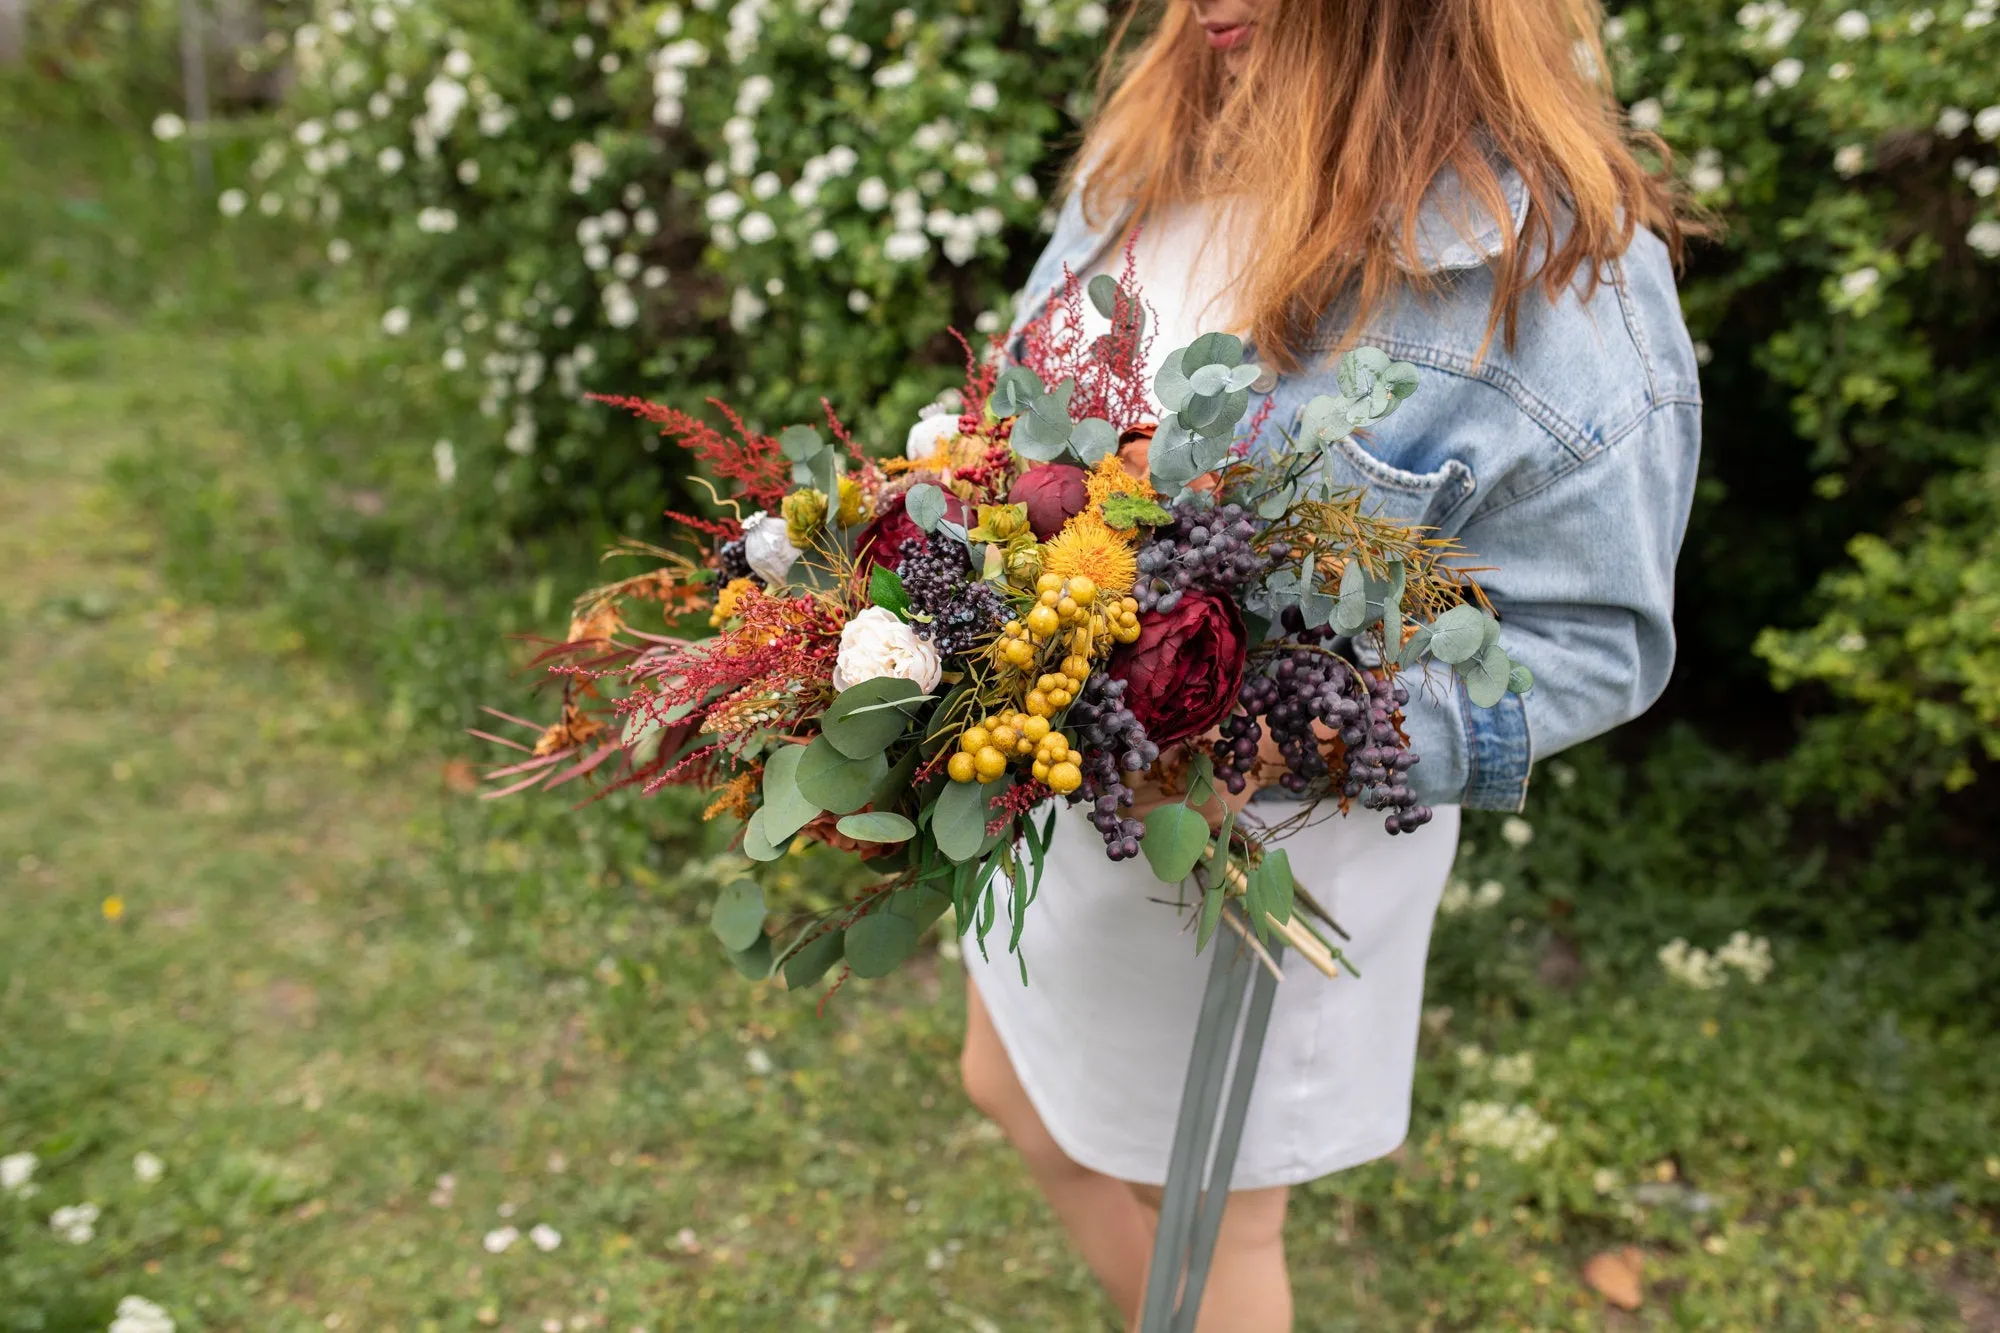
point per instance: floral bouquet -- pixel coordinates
(1059, 588)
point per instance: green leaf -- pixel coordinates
(1123, 510)
(1352, 612)
(1103, 292)
(786, 809)
(1170, 382)
(1414, 649)
(758, 847)
(1015, 391)
(921, 904)
(924, 503)
(1201, 780)
(836, 783)
(737, 918)
(1175, 839)
(885, 589)
(1211, 916)
(879, 943)
(810, 961)
(1279, 886)
(1520, 680)
(877, 826)
(958, 820)
(1092, 439)
(1213, 349)
(800, 443)
(1458, 634)
(755, 961)
(1244, 375)
(1209, 379)
(1486, 676)
(867, 718)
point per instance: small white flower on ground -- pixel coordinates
(561, 108)
(767, 548)
(545, 1237)
(898, 75)
(766, 184)
(872, 194)
(147, 1168)
(1706, 175)
(1952, 121)
(1751, 957)
(168, 127)
(17, 1170)
(1691, 967)
(758, 1062)
(390, 160)
(1839, 69)
(859, 302)
(1851, 26)
(136, 1314)
(654, 277)
(1518, 1131)
(1456, 899)
(823, 244)
(982, 96)
(467, 172)
(903, 247)
(395, 321)
(1604, 1180)
(1091, 18)
(756, 228)
(875, 643)
(1563, 774)
(76, 1223)
(1984, 180)
(500, 1239)
(1787, 72)
(1861, 282)
(745, 309)
(1987, 123)
(458, 63)
(1516, 1071)
(1984, 237)
(626, 266)
(232, 202)
(1647, 114)
(308, 132)
(1489, 894)
(453, 359)
(445, 460)
(1025, 189)
(1516, 831)
(722, 207)
(1849, 158)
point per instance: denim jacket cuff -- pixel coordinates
(1497, 753)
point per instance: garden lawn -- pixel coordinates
(409, 1062)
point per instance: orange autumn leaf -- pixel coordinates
(1616, 1275)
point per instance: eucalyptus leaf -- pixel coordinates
(1520, 680)
(877, 826)
(879, 943)
(1170, 382)
(1211, 916)
(924, 503)
(1103, 291)
(1415, 647)
(1459, 634)
(800, 443)
(1486, 676)
(786, 809)
(737, 917)
(1244, 375)
(958, 820)
(755, 961)
(1015, 390)
(1171, 457)
(1175, 839)
(867, 718)
(1092, 439)
(885, 589)
(1279, 886)
(1352, 613)
(1209, 379)
(1211, 349)
(811, 960)
(1324, 419)
(836, 783)
(758, 847)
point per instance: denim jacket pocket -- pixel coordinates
(1423, 499)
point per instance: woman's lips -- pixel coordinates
(1223, 37)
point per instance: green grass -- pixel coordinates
(241, 625)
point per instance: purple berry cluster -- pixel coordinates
(1206, 546)
(1113, 743)
(1297, 686)
(732, 561)
(964, 612)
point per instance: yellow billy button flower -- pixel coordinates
(1043, 621)
(1064, 778)
(989, 763)
(962, 767)
(849, 512)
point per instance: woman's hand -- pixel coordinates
(1149, 796)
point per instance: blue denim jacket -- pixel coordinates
(1565, 461)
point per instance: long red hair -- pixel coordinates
(1340, 117)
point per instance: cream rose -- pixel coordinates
(767, 548)
(875, 643)
(929, 433)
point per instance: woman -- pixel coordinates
(1447, 180)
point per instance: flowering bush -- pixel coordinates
(779, 200)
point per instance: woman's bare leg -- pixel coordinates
(1110, 1227)
(1248, 1289)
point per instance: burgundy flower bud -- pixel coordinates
(1054, 494)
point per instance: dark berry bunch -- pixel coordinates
(964, 612)
(1206, 546)
(1300, 684)
(732, 561)
(1114, 743)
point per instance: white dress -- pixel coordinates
(1100, 1034)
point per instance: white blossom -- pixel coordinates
(766, 185)
(271, 203)
(561, 107)
(545, 1237)
(444, 98)
(1851, 26)
(901, 74)
(396, 321)
(1024, 188)
(823, 244)
(339, 250)
(520, 437)
(875, 643)
(756, 228)
(1091, 18)
(903, 247)
(1839, 69)
(232, 202)
(1952, 121)
(1518, 1131)
(861, 302)
(147, 1168)
(668, 24)
(982, 96)
(17, 1172)
(436, 220)
(1984, 237)
(1517, 832)
(389, 161)
(500, 1239)
(380, 105)
(872, 194)
(1987, 123)
(1706, 176)
(76, 1223)
(1646, 114)
(308, 133)
(745, 309)
(1849, 158)
(458, 63)
(621, 309)
(168, 127)
(136, 1314)
(1861, 282)
(467, 172)
(1787, 72)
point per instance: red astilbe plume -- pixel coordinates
(1109, 368)
(754, 462)
(980, 375)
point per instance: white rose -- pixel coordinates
(929, 433)
(769, 550)
(875, 643)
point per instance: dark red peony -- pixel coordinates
(1054, 494)
(1182, 674)
(880, 542)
